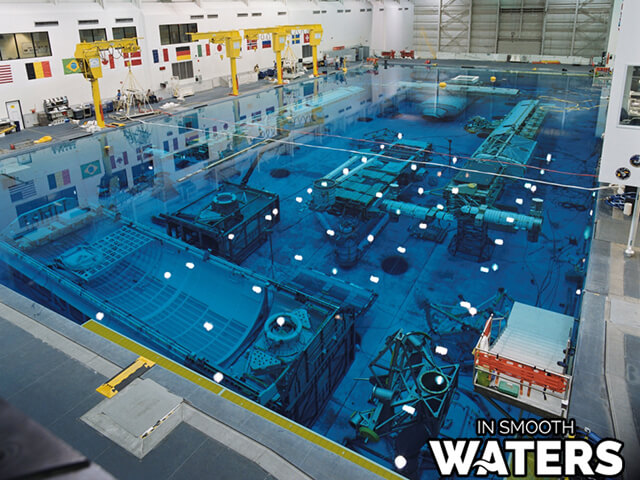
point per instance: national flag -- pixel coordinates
(117, 162)
(191, 139)
(112, 61)
(183, 53)
(5, 74)
(165, 54)
(22, 191)
(70, 66)
(207, 49)
(156, 57)
(295, 38)
(90, 169)
(306, 38)
(135, 57)
(266, 44)
(252, 44)
(38, 70)
(199, 50)
(59, 179)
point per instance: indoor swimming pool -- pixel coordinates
(331, 249)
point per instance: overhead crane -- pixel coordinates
(88, 56)
(232, 42)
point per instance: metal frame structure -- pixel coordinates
(232, 42)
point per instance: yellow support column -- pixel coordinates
(279, 66)
(234, 77)
(314, 50)
(97, 103)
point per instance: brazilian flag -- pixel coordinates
(71, 65)
(90, 169)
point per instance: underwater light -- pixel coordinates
(190, 265)
(484, 269)
(439, 174)
(401, 249)
(548, 157)
(331, 233)
(99, 316)
(345, 171)
(541, 172)
(231, 236)
(455, 190)
(423, 226)
(494, 267)
(420, 191)
(268, 217)
(440, 350)
(409, 409)
(274, 211)
(400, 462)
(510, 219)
(150, 167)
(299, 199)
(218, 377)
(439, 380)
(374, 279)
(519, 201)
(208, 326)
(309, 190)
(454, 160)
(370, 238)
(533, 188)
(398, 212)
(578, 292)
(256, 289)
(399, 136)
(465, 304)
(440, 206)
(167, 275)
(381, 147)
(499, 241)
(591, 213)
(378, 194)
(527, 185)
(298, 257)
(280, 321)
(414, 167)
(472, 312)
(363, 159)
(334, 271)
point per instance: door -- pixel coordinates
(14, 111)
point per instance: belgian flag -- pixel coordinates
(38, 70)
(183, 53)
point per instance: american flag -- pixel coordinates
(22, 191)
(252, 44)
(5, 74)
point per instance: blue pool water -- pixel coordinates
(336, 253)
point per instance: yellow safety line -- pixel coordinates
(109, 389)
(241, 401)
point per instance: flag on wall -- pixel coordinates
(266, 44)
(38, 70)
(59, 179)
(135, 57)
(70, 66)
(306, 38)
(90, 169)
(199, 50)
(295, 38)
(22, 191)
(183, 53)
(252, 44)
(207, 49)
(156, 57)
(5, 74)
(165, 54)
(191, 139)
(117, 162)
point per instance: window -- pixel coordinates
(124, 32)
(177, 33)
(182, 70)
(307, 51)
(93, 34)
(24, 45)
(630, 114)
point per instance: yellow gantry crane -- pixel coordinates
(88, 56)
(279, 41)
(232, 42)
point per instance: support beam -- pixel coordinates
(439, 24)
(497, 26)
(544, 26)
(575, 24)
(469, 27)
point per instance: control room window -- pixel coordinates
(170, 34)
(630, 113)
(24, 45)
(124, 32)
(93, 34)
(182, 70)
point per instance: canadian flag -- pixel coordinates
(136, 59)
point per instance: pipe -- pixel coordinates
(415, 211)
(498, 217)
(375, 231)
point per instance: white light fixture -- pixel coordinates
(473, 311)
(381, 147)
(208, 326)
(533, 188)
(578, 292)
(519, 201)
(465, 304)
(423, 226)
(190, 265)
(363, 159)
(510, 219)
(231, 236)
(298, 257)
(541, 172)
(402, 249)
(494, 267)
(409, 409)
(420, 191)
(414, 167)
(345, 171)
(378, 194)
(440, 206)
(218, 377)
(527, 185)
(274, 211)
(440, 350)
(484, 269)
(374, 279)
(455, 190)
(280, 321)
(268, 217)
(548, 157)
(323, 184)
(331, 233)
(370, 238)
(99, 316)
(299, 199)
(399, 136)
(309, 190)
(400, 462)
(439, 173)
(334, 271)
(499, 241)
(256, 289)
(454, 160)
(167, 275)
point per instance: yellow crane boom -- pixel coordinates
(232, 41)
